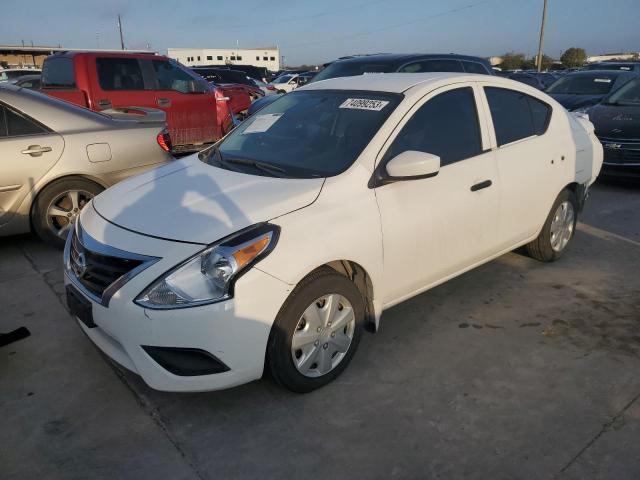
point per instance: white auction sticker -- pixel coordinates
(364, 104)
(602, 80)
(262, 123)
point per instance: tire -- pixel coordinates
(327, 288)
(59, 197)
(550, 245)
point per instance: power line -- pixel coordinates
(304, 17)
(391, 27)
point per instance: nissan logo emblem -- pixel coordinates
(79, 266)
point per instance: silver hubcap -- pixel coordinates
(323, 335)
(562, 226)
(64, 209)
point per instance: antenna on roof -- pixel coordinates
(120, 28)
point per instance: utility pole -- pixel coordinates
(544, 20)
(120, 28)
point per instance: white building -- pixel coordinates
(260, 57)
(612, 56)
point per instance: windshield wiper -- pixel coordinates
(264, 166)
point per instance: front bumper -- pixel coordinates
(621, 170)
(234, 331)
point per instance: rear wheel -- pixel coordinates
(316, 332)
(58, 206)
(558, 229)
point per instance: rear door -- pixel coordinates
(28, 150)
(121, 83)
(191, 115)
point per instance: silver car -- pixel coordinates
(55, 156)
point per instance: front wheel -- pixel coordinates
(316, 333)
(558, 229)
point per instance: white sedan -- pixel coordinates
(275, 248)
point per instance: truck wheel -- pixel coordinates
(316, 333)
(57, 207)
(558, 229)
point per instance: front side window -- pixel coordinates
(172, 77)
(444, 65)
(306, 134)
(13, 124)
(627, 95)
(119, 74)
(516, 115)
(474, 67)
(57, 72)
(447, 126)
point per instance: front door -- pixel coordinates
(435, 227)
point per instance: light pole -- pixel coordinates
(540, 44)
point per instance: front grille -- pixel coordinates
(621, 151)
(95, 271)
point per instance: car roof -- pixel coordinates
(390, 82)
(401, 58)
(593, 73)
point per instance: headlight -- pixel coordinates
(209, 275)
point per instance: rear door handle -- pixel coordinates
(163, 102)
(36, 150)
(481, 185)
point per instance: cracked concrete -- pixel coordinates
(514, 370)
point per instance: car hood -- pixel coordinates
(190, 201)
(571, 102)
(616, 121)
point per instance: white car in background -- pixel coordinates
(286, 83)
(276, 247)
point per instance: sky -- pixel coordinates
(312, 31)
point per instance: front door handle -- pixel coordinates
(163, 102)
(104, 103)
(36, 150)
(481, 185)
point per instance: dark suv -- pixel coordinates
(392, 62)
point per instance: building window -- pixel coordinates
(273, 58)
(198, 57)
(239, 58)
(257, 58)
(265, 58)
(219, 57)
(232, 58)
(209, 57)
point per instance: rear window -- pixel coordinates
(119, 74)
(584, 84)
(351, 69)
(443, 65)
(58, 72)
(516, 115)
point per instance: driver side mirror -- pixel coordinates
(413, 165)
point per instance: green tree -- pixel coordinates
(574, 57)
(512, 61)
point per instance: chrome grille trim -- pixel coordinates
(107, 265)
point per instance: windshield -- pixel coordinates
(628, 94)
(306, 134)
(283, 79)
(583, 84)
(351, 69)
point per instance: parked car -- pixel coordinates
(288, 82)
(580, 90)
(11, 74)
(232, 79)
(57, 157)
(197, 113)
(259, 73)
(385, 63)
(624, 66)
(265, 87)
(31, 82)
(529, 79)
(617, 124)
(274, 248)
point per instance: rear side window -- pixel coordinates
(474, 67)
(171, 77)
(447, 126)
(516, 115)
(119, 74)
(13, 124)
(444, 65)
(58, 72)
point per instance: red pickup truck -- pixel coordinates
(197, 113)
